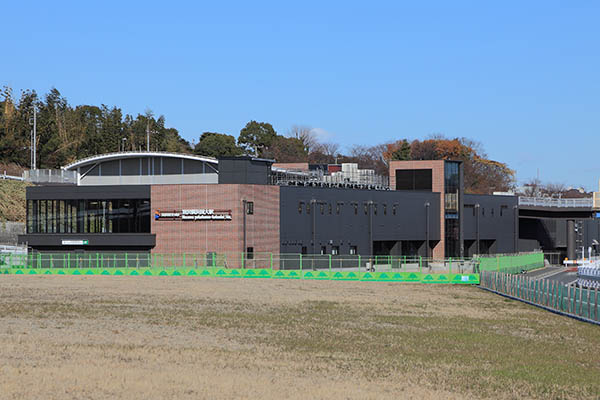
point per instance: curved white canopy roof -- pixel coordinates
(134, 154)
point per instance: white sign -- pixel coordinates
(78, 242)
(195, 215)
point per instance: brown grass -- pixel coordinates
(12, 200)
(110, 337)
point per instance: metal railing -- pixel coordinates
(50, 176)
(571, 300)
(559, 203)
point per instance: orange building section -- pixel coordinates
(219, 236)
(437, 185)
(293, 166)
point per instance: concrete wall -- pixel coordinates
(9, 232)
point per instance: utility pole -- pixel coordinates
(33, 138)
(148, 135)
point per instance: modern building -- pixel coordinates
(178, 203)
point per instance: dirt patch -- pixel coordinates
(142, 337)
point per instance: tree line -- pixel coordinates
(66, 133)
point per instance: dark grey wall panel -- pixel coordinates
(349, 229)
(244, 170)
(496, 221)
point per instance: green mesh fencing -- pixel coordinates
(236, 265)
(511, 264)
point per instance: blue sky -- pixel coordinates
(522, 77)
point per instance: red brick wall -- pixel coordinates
(222, 237)
(437, 185)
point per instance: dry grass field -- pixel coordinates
(106, 337)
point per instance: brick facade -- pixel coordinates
(222, 237)
(437, 185)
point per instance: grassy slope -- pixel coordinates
(150, 337)
(12, 201)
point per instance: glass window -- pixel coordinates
(323, 250)
(43, 219)
(385, 209)
(250, 253)
(300, 207)
(353, 250)
(337, 208)
(335, 250)
(88, 216)
(250, 208)
(330, 208)
(413, 179)
(304, 250)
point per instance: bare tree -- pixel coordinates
(329, 149)
(305, 134)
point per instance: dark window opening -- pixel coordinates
(250, 253)
(250, 208)
(385, 209)
(413, 179)
(300, 207)
(335, 250)
(304, 250)
(323, 250)
(353, 250)
(330, 208)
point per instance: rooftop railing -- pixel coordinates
(60, 176)
(559, 203)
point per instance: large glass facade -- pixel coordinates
(452, 208)
(88, 216)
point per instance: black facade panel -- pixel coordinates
(65, 192)
(95, 241)
(244, 170)
(347, 227)
(497, 220)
